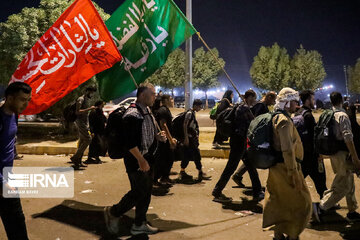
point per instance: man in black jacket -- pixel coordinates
(310, 164)
(258, 109)
(142, 137)
(97, 122)
(243, 117)
(165, 158)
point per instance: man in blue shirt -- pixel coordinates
(17, 95)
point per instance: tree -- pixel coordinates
(172, 73)
(21, 31)
(307, 69)
(354, 77)
(205, 70)
(271, 68)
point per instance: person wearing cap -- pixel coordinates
(83, 108)
(287, 207)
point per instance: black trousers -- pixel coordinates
(219, 138)
(96, 147)
(139, 197)
(13, 218)
(309, 167)
(164, 161)
(237, 152)
(192, 153)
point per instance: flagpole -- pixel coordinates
(188, 61)
(132, 77)
(217, 60)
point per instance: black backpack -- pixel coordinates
(114, 133)
(225, 121)
(324, 134)
(178, 126)
(69, 112)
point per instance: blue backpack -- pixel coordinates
(299, 122)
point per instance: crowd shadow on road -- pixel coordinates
(90, 218)
(244, 205)
(334, 222)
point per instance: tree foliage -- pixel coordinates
(22, 30)
(271, 68)
(206, 70)
(354, 77)
(307, 69)
(172, 73)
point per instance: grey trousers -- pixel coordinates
(343, 184)
(84, 141)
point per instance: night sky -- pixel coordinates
(239, 27)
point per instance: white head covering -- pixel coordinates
(285, 96)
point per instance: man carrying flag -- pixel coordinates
(75, 48)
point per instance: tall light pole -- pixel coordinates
(346, 81)
(188, 61)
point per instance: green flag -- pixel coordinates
(145, 32)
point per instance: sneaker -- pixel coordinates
(18, 157)
(144, 228)
(221, 198)
(216, 146)
(112, 223)
(335, 207)
(90, 161)
(167, 180)
(238, 181)
(259, 196)
(203, 176)
(316, 212)
(353, 217)
(184, 176)
(76, 166)
(98, 161)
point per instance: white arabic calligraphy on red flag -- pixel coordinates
(74, 49)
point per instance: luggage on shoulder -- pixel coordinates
(260, 137)
(114, 133)
(178, 126)
(69, 112)
(225, 121)
(324, 134)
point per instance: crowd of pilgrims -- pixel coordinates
(154, 142)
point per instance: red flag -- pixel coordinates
(74, 49)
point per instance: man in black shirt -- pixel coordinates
(191, 143)
(97, 122)
(258, 109)
(142, 136)
(165, 159)
(310, 164)
(243, 117)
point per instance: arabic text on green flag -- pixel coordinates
(145, 32)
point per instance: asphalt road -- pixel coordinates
(186, 212)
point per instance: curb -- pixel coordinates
(51, 150)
